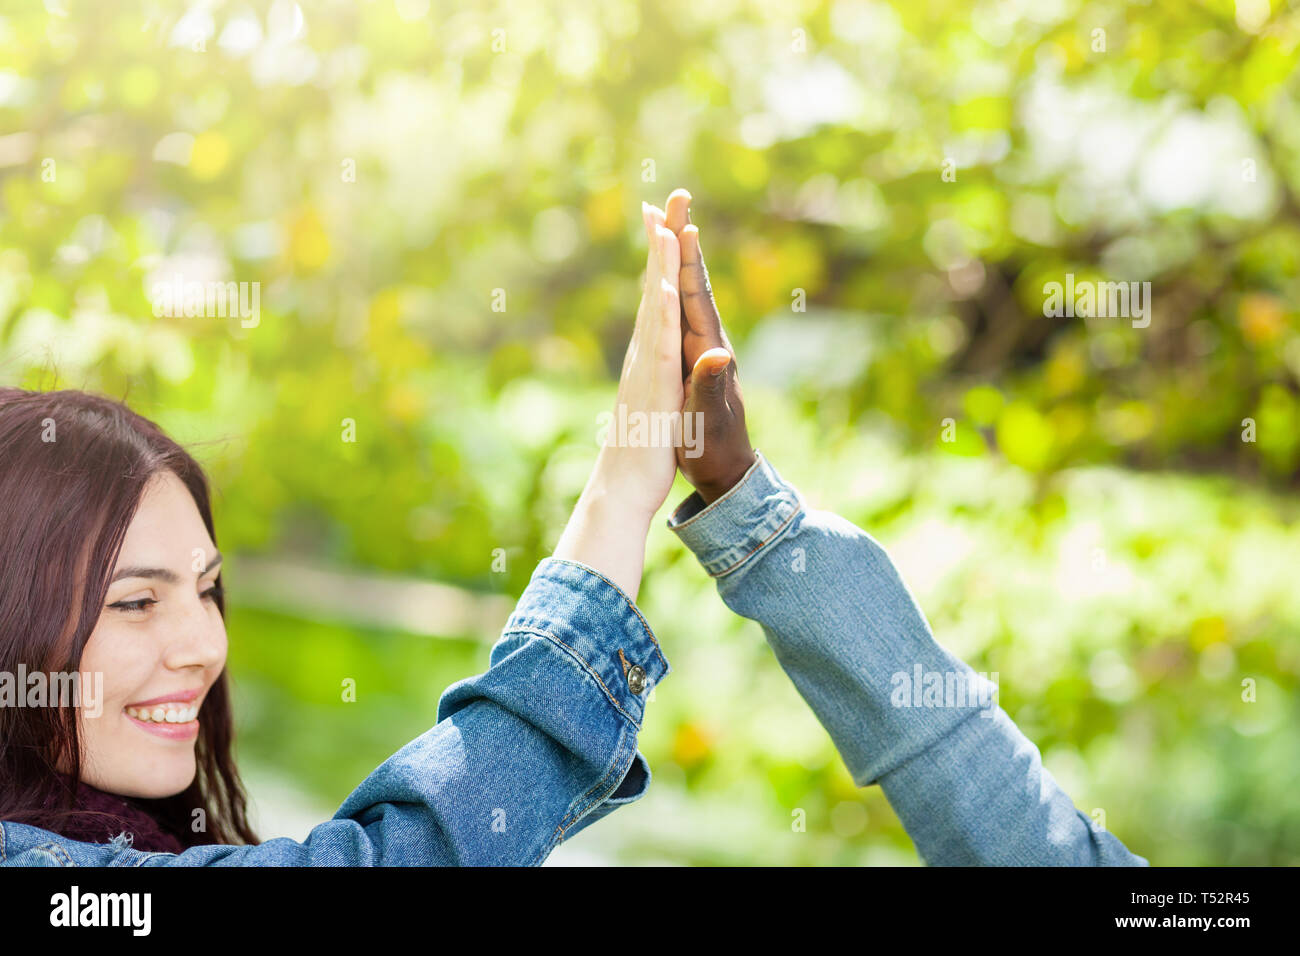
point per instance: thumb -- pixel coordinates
(709, 377)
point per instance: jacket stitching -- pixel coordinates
(56, 851)
(623, 594)
(581, 809)
(758, 459)
(558, 833)
(761, 545)
(579, 806)
(586, 666)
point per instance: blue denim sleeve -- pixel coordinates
(524, 755)
(902, 711)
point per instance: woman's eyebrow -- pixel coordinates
(162, 574)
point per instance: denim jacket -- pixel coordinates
(544, 742)
(524, 755)
(968, 786)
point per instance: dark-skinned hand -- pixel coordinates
(710, 375)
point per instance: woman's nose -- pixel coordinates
(199, 638)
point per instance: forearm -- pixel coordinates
(967, 784)
(982, 797)
(607, 533)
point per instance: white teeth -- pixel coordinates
(170, 713)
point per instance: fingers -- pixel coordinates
(671, 257)
(652, 243)
(668, 327)
(701, 324)
(663, 267)
(657, 215)
(656, 273)
(654, 221)
(668, 344)
(678, 210)
(649, 282)
(653, 357)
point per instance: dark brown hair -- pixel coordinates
(73, 468)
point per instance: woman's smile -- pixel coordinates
(172, 716)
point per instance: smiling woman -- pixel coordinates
(85, 479)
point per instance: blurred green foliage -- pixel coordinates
(439, 202)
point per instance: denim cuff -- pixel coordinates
(594, 620)
(751, 515)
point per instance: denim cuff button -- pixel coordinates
(636, 679)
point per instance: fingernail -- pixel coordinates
(719, 369)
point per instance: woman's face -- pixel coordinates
(160, 643)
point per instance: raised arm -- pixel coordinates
(544, 742)
(903, 712)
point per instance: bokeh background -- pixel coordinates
(1112, 526)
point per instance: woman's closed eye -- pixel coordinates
(142, 604)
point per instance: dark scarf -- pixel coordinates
(110, 814)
